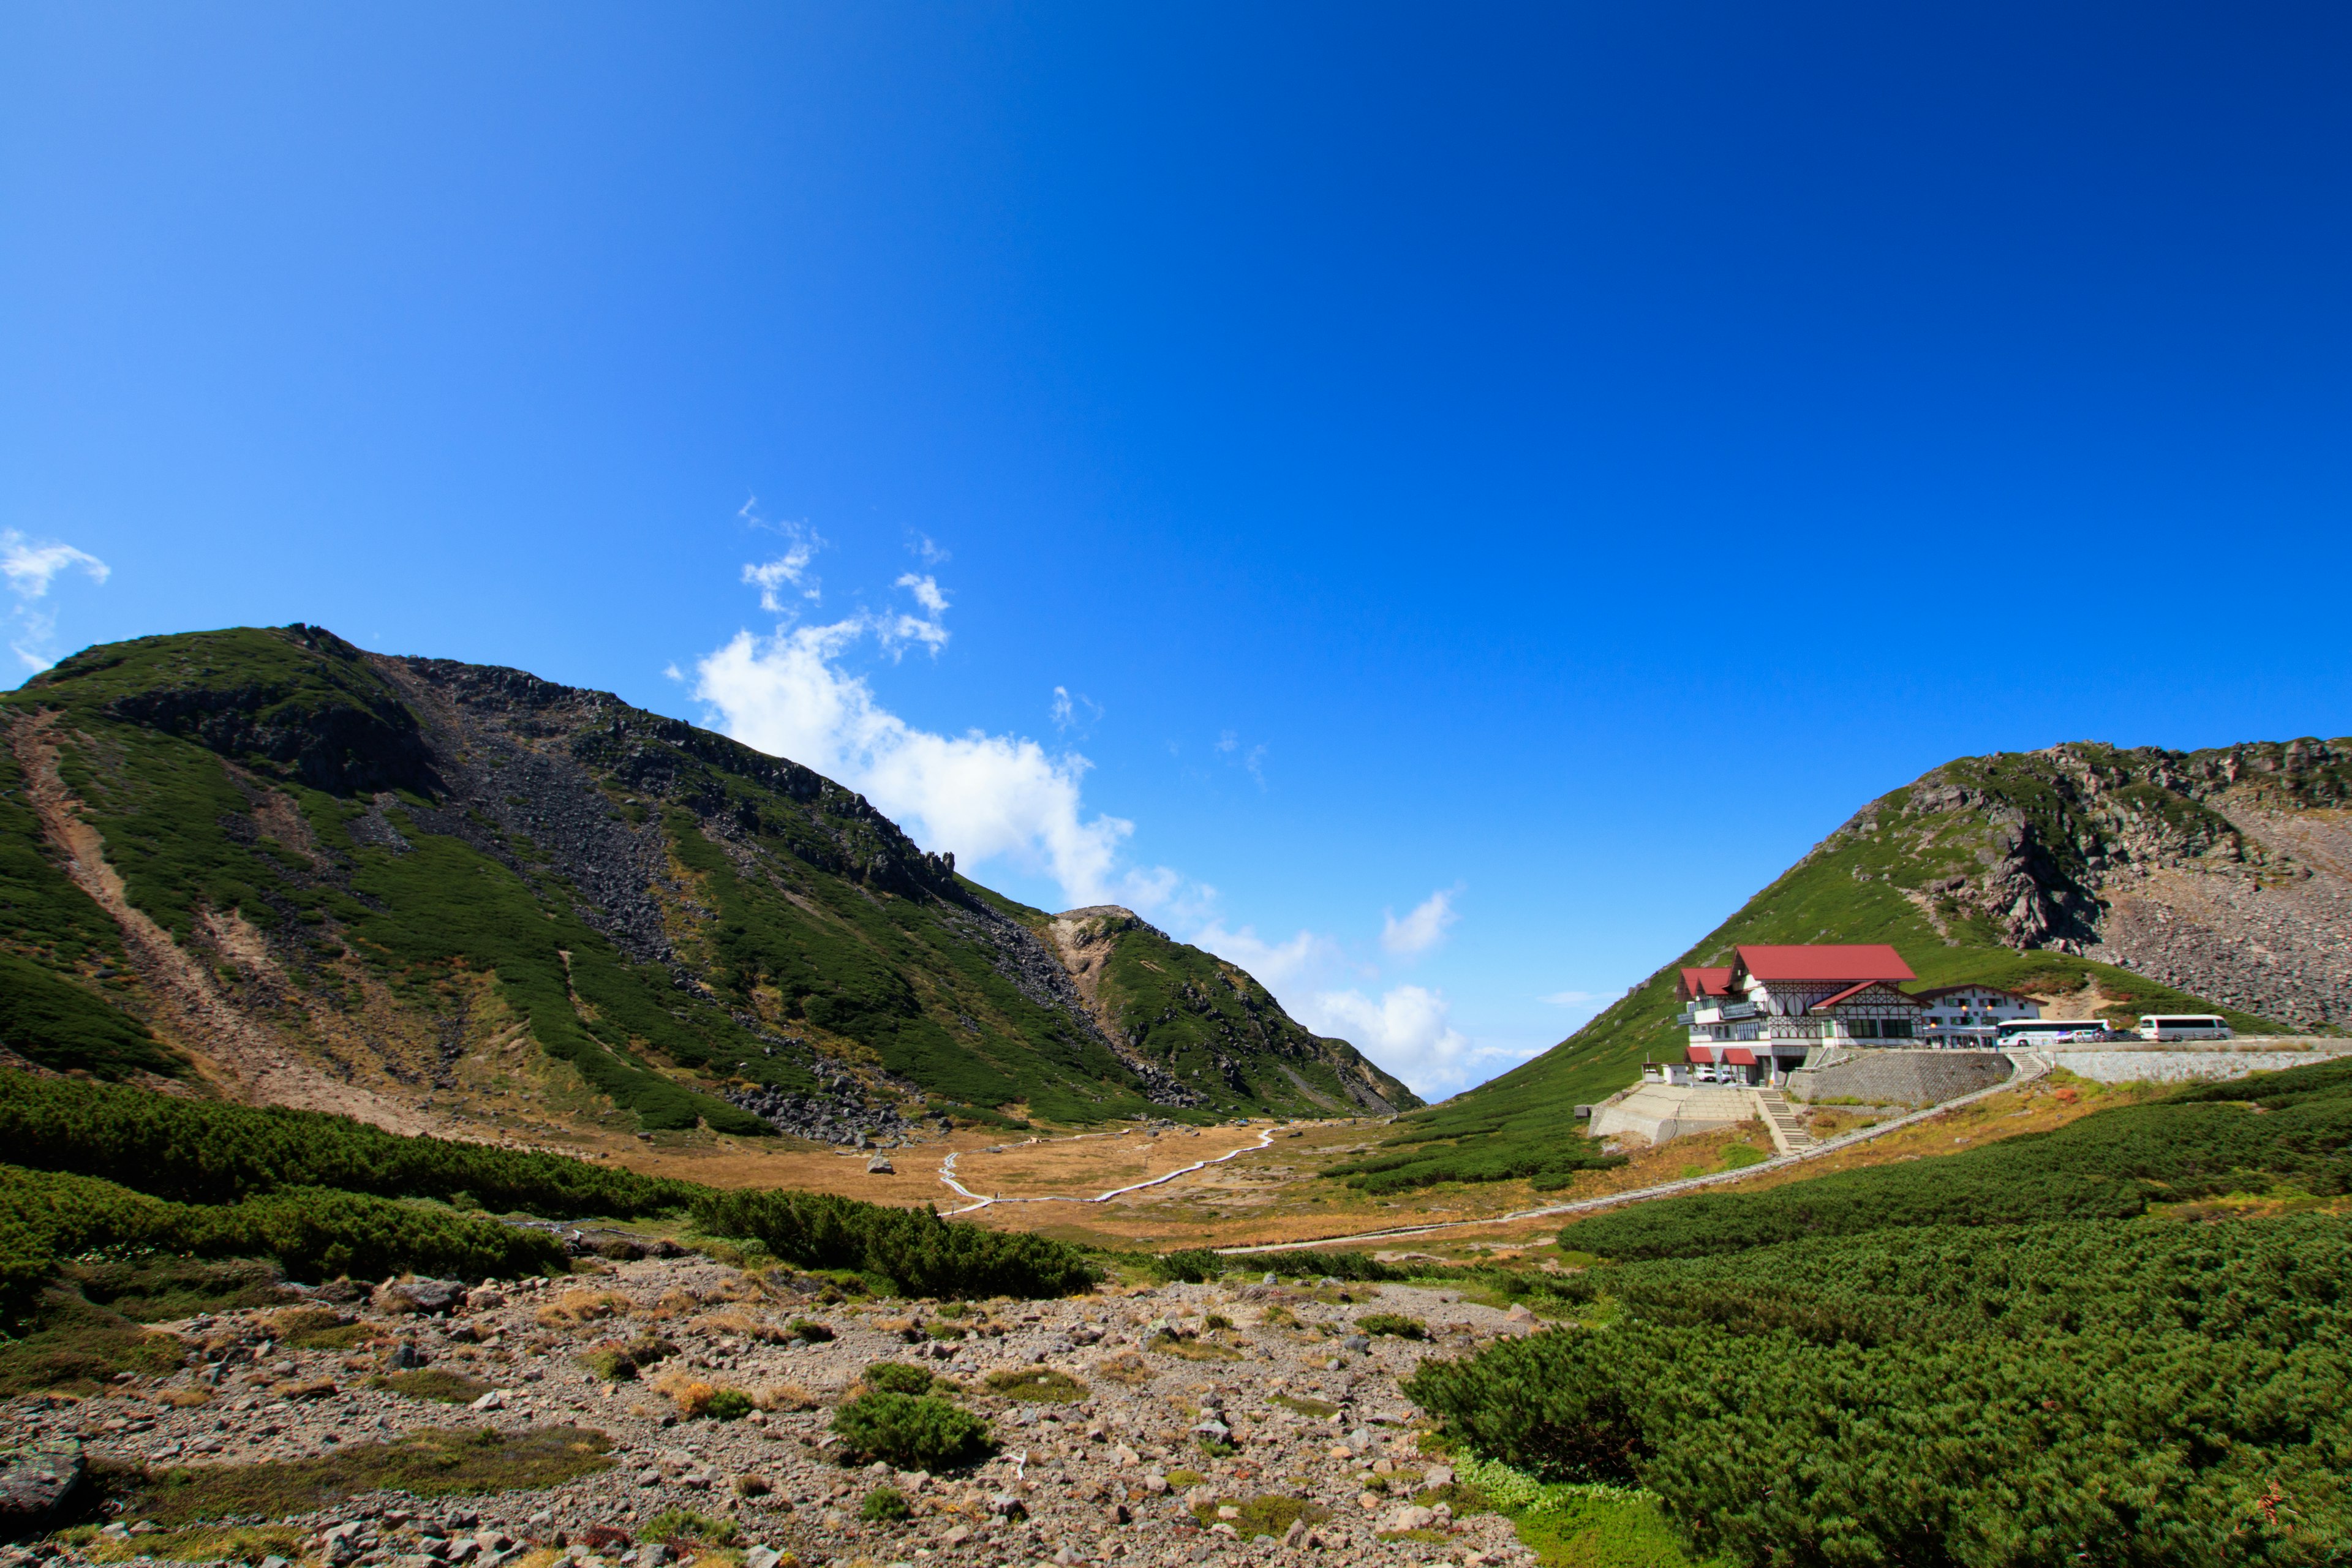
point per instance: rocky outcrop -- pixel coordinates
(2225, 873)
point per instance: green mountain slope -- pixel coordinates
(416, 890)
(2042, 872)
(1205, 1022)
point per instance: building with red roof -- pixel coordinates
(1755, 1021)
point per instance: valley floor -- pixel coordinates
(1260, 1184)
(1115, 1474)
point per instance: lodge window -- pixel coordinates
(1894, 1028)
(1863, 1028)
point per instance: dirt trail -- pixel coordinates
(948, 1174)
(246, 1060)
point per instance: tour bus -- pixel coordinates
(2182, 1027)
(2052, 1031)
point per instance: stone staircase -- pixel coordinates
(1782, 1119)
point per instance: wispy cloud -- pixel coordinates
(1424, 929)
(1252, 759)
(788, 572)
(1570, 998)
(897, 629)
(928, 550)
(31, 566)
(1074, 710)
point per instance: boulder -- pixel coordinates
(420, 1296)
(35, 1477)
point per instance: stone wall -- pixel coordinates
(1897, 1077)
(2192, 1062)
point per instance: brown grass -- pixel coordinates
(575, 1307)
(786, 1397)
(743, 1325)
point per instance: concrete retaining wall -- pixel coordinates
(2188, 1062)
(1658, 1111)
(1897, 1077)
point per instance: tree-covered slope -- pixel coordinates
(410, 888)
(2010, 869)
(1204, 1023)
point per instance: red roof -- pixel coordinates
(1699, 1054)
(1866, 961)
(1697, 983)
(1740, 1056)
(1853, 991)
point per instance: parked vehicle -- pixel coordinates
(2054, 1032)
(2182, 1027)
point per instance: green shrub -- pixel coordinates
(808, 1331)
(2105, 1391)
(2290, 1128)
(911, 1432)
(898, 1377)
(211, 1151)
(622, 1361)
(59, 1025)
(683, 1527)
(885, 1505)
(1549, 1162)
(729, 1405)
(1192, 1266)
(315, 1234)
(1394, 1324)
(919, 1253)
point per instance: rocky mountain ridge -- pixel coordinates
(445, 897)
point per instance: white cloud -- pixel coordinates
(928, 549)
(1570, 998)
(1406, 1031)
(31, 566)
(1422, 930)
(983, 797)
(1062, 711)
(1304, 961)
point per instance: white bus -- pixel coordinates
(2182, 1027)
(2052, 1031)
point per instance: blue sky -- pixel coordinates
(1438, 502)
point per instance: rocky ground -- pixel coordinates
(1202, 1412)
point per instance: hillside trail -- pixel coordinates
(2031, 1065)
(244, 1059)
(947, 1176)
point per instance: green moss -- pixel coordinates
(1037, 1385)
(71, 1345)
(201, 1544)
(432, 1382)
(1268, 1513)
(453, 1462)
